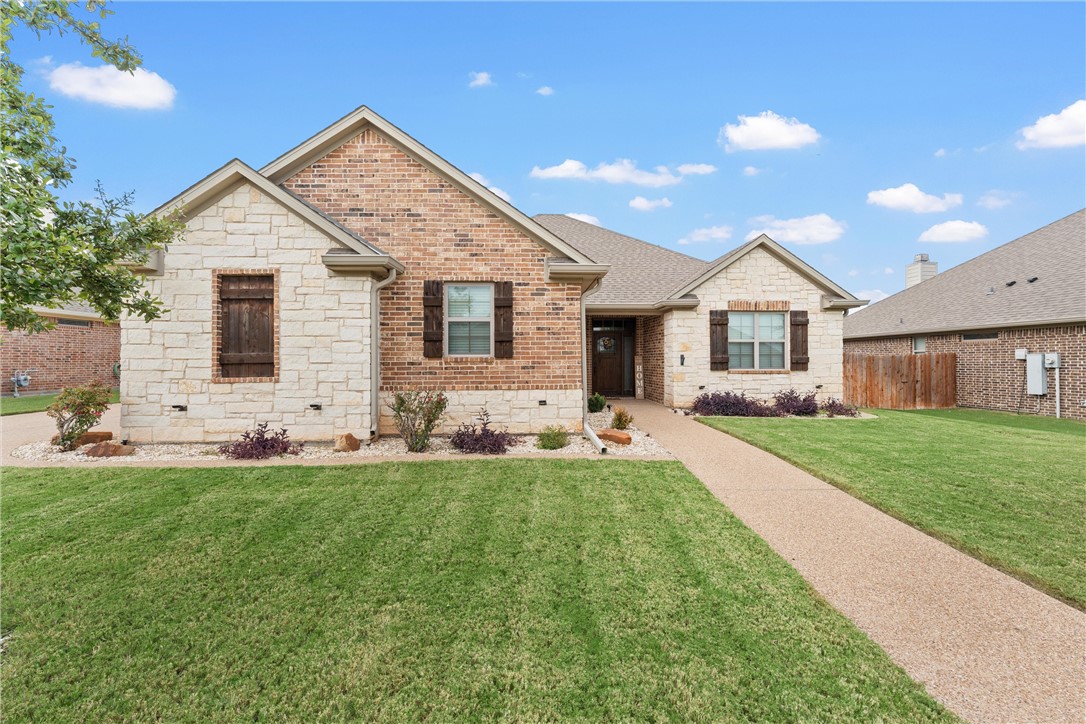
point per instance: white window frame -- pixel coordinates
(920, 344)
(757, 340)
(446, 319)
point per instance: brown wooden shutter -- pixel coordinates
(433, 318)
(798, 331)
(718, 339)
(247, 306)
(503, 320)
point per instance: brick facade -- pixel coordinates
(66, 356)
(439, 232)
(652, 351)
(989, 377)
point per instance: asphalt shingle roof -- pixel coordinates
(975, 295)
(641, 273)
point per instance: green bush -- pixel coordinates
(553, 437)
(416, 414)
(78, 409)
(622, 418)
(596, 402)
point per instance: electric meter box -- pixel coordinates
(1036, 374)
(1052, 360)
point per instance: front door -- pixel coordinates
(607, 359)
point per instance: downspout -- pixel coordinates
(375, 350)
(588, 432)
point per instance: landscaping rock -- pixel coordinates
(87, 438)
(616, 436)
(109, 450)
(346, 443)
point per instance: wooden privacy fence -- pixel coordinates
(901, 381)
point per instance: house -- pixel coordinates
(80, 349)
(1029, 294)
(360, 263)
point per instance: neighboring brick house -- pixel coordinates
(80, 349)
(360, 263)
(1027, 294)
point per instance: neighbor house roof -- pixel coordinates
(647, 276)
(641, 273)
(993, 290)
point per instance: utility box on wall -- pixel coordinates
(1036, 375)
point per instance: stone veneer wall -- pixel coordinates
(324, 333)
(65, 356)
(439, 232)
(758, 276)
(989, 377)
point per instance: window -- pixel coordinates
(469, 317)
(73, 322)
(247, 328)
(920, 345)
(756, 340)
(980, 336)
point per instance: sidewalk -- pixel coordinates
(987, 646)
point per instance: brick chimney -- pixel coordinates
(920, 270)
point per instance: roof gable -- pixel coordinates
(992, 290)
(335, 135)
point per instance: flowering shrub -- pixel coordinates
(834, 408)
(622, 419)
(483, 440)
(730, 404)
(790, 402)
(553, 437)
(416, 414)
(596, 402)
(78, 409)
(259, 445)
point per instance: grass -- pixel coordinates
(515, 590)
(36, 403)
(1007, 489)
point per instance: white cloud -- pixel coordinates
(709, 233)
(493, 189)
(954, 231)
(888, 270)
(104, 84)
(814, 229)
(696, 169)
(908, 197)
(873, 295)
(545, 90)
(995, 199)
(751, 171)
(940, 153)
(1059, 130)
(622, 171)
(767, 130)
(480, 79)
(642, 204)
(587, 218)
(854, 272)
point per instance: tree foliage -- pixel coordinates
(54, 253)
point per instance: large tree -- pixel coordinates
(54, 253)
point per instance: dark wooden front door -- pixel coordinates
(607, 362)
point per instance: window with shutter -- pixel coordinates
(246, 326)
(469, 320)
(756, 340)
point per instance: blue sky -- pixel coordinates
(812, 121)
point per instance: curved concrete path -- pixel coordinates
(989, 647)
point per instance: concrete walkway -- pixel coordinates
(989, 647)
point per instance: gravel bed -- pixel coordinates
(642, 443)
(384, 447)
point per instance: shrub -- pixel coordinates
(790, 402)
(730, 404)
(834, 408)
(622, 418)
(258, 444)
(553, 437)
(482, 439)
(416, 414)
(78, 409)
(596, 402)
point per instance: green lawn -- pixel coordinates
(36, 403)
(1008, 489)
(511, 589)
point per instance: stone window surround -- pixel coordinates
(216, 322)
(742, 305)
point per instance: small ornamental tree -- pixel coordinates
(416, 414)
(78, 409)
